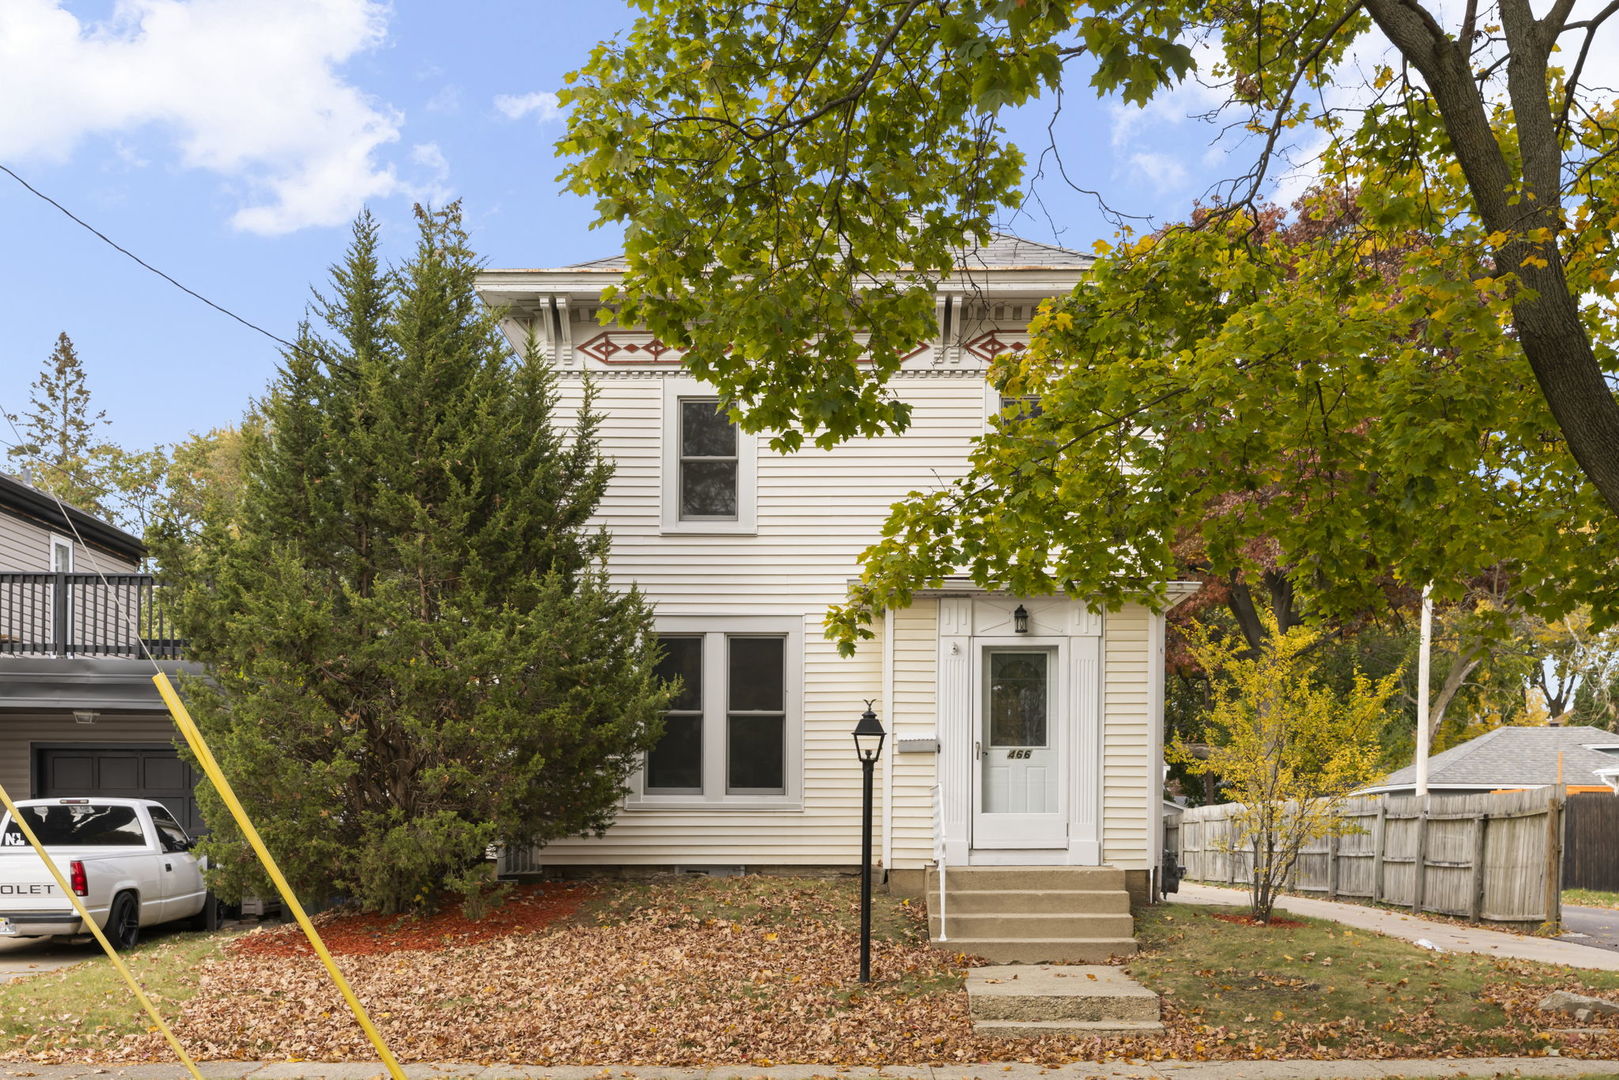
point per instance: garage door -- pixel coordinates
(136, 772)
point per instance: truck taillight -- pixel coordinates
(76, 878)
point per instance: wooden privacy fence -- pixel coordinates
(1491, 858)
(1591, 843)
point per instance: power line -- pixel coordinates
(142, 262)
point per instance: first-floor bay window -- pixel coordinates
(731, 734)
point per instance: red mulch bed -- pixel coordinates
(527, 908)
(1249, 920)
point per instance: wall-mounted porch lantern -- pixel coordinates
(1020, 620)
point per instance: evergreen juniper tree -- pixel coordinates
(414, 649)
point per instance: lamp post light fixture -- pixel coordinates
(868, 745)
(1020, 620)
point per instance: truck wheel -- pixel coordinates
(210, 916)
(124, 922)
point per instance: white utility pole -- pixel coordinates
(1422, 689)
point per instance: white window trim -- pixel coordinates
(747, 469)
(61, 543)
(715, 630)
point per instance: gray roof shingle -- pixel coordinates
(1517, 757)
(1003, 252)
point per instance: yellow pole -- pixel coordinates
(205, 758)
(90, 924)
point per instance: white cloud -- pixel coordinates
(247, 89)
(430, 156)
(542, 103)
(446, 102)
(1165, 172)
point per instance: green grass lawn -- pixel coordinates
(85, 1003)
(1591, 898)
(1328, 985)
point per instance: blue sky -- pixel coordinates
(229, 142)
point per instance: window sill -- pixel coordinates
(729, 805)
(709, 528)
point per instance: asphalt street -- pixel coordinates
(1591, 926)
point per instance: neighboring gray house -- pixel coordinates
(1517, 757)
(78, 712)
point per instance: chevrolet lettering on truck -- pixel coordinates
(128, 860)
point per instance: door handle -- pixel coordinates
(168, 866)
(978, 749)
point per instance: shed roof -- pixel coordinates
(1517, 757)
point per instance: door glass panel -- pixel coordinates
(1017, 699)
(1018, 762)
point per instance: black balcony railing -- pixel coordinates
(84, 615)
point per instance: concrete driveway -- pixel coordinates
(1591, 926)
(20, 957)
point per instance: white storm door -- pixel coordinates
(1018, 777)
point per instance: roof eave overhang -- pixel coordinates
(525, 293)
(964, 586)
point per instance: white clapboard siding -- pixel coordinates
(916, 658)
(25, 731)
(817, 510)
(824, 830)
(1128, 754)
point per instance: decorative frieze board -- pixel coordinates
(677, 371)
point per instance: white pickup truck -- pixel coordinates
(127, 859)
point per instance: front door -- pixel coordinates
(1018, 799)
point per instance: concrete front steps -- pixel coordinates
(1023, 1001)
(1033, 914)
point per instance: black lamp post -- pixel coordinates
(868, 744)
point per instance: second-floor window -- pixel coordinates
(708, 464)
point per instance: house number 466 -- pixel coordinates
(1015, 755)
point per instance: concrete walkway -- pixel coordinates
(1085, 1070)
(1450, 937)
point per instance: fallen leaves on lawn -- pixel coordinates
(528, 907)
(668, 982)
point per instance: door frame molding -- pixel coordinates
(1058, 732)
(967, 624)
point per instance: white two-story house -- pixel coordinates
(1027, 740)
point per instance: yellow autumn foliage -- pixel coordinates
(1286, 748)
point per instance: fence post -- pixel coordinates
(1332, 866)
(1419, 872)
(1554, 860)
(1475, 909)
(1377, 852)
